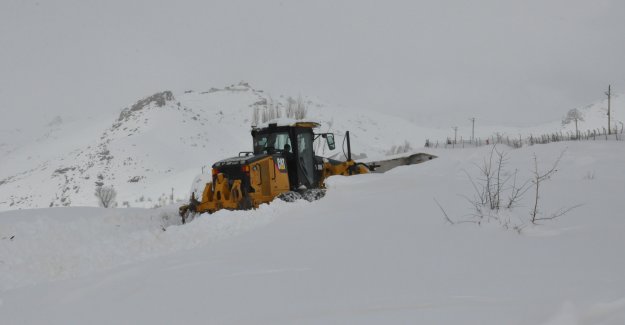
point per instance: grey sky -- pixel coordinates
(507, 62)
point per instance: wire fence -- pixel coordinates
(520, 141)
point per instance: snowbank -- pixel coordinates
(375, 250)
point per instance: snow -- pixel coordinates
(375, 250)
(151, 153)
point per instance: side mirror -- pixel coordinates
(330, 141)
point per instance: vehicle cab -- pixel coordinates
(293, 142)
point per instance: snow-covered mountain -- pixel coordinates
(152, 150)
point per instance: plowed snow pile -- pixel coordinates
(375, 250)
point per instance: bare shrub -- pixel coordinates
(272, 106)
(537, 179)
(301, 109)
(290, 107)
(491, 184)
(451, 222)
(491, 190)
(256, 116)
(406, 147)
(106, 196)
(498, 192)
(266, 110)
(296, 109)
(516, 191)
(269, 114)
(590, 175)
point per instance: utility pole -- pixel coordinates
(609, 94)
(472, 129)
(455, 134)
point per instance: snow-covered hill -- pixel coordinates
(375, 250)
(594, 118)
(151, 151)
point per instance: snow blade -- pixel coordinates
(386, 165)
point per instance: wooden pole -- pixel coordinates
(609, 93)
(455, 135)
(472, 129)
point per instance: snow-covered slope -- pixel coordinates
(137, 152)
(151, 151)
(154, 148)
(594, 118)
(375, 250)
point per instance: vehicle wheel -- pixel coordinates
(245, 203)
(188, 216)
(290, 196)
(313, 194)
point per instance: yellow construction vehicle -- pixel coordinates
(284, 165)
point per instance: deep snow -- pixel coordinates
(375, 249)
(154, 152)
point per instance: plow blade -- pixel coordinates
(388, 164)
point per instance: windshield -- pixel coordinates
(271, 142)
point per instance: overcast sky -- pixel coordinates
(506, 62)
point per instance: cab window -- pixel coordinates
(271, 142)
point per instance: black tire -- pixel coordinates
(183, 212)
(290, 196)
(188, 216)
(188, 212)
(245, 203)
(313, 194)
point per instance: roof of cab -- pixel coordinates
(287, 122)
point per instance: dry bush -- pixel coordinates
(256, 116)
(497, 192)
(406, 147)
(106, 196)
(296, 109)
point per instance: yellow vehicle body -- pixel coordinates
(283, 161)
(267, 181)
(283, 164)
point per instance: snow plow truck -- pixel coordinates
(283, 164)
